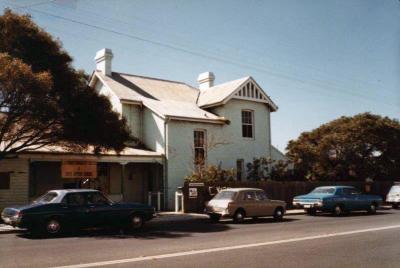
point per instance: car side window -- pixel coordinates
(248, 196)
(96, 199)
(355, 192)
(346, 191)
(75, 199)
(261, 196)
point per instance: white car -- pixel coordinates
(393, 197)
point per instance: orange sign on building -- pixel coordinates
(78, 169)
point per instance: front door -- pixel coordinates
(100, 210)
(75, 210)
(250, 203)
(265, 208)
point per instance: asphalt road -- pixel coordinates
(358, 240)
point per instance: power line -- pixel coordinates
(314, 82)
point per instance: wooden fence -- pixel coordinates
(195, 199)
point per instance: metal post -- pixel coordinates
(176, 202)
(183, 203)
(158, 201)
(122, 179)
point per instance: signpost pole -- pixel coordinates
(122, 179)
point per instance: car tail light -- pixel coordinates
(18, 215)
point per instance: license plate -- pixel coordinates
(7, 220)
(307, 206)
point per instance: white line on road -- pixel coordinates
(202, 251)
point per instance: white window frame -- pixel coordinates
(248, 124)
(204, 147)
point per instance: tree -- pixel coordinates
(349, 148)
(264, 168)
(211, 173)
(44, 100)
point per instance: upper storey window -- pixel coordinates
(247, 124)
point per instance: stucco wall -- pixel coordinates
(19, 182)
(153, 131)
(225, 144)
(132, 115)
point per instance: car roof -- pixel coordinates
(336, 186)
(64, 191)
(242, 189)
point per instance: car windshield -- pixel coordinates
(46, 198)
(225, 195)
(395, 189)
(324, 190)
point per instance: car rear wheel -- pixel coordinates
(395, 206)
(278, 214)
(239, 216)
(372, 208)
(338, 211)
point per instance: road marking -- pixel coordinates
(210, 250)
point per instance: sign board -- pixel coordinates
(193, 193)
(196, 184)
(78, 169)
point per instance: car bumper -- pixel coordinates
(393, 200)
(219, 213)
(308, 205)
(13, 221)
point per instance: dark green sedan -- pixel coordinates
(59, 211)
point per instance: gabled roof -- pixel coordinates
(245, 88)
(168, 99)
(179, 101)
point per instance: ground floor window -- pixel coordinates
(199, 147)
(4, 180)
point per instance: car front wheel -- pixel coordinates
(136, 222)
(239, 216)
(53, 227)
(338, 211)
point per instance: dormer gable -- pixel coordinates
(244, 89)
(251, 91)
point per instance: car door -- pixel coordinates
(360, 200)
(75, 209)
(264, 206)
(250, 204)
(351, 201)
(100, 210)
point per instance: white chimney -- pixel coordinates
(206, 80)
(103, 61)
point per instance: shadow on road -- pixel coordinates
(152, 230)
(353, 214)
(260, 221)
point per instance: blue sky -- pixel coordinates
(318, 60)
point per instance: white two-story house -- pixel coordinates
(227, 124)
(179, 127)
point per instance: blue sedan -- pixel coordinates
(338, 200)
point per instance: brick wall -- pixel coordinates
(19, 182)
